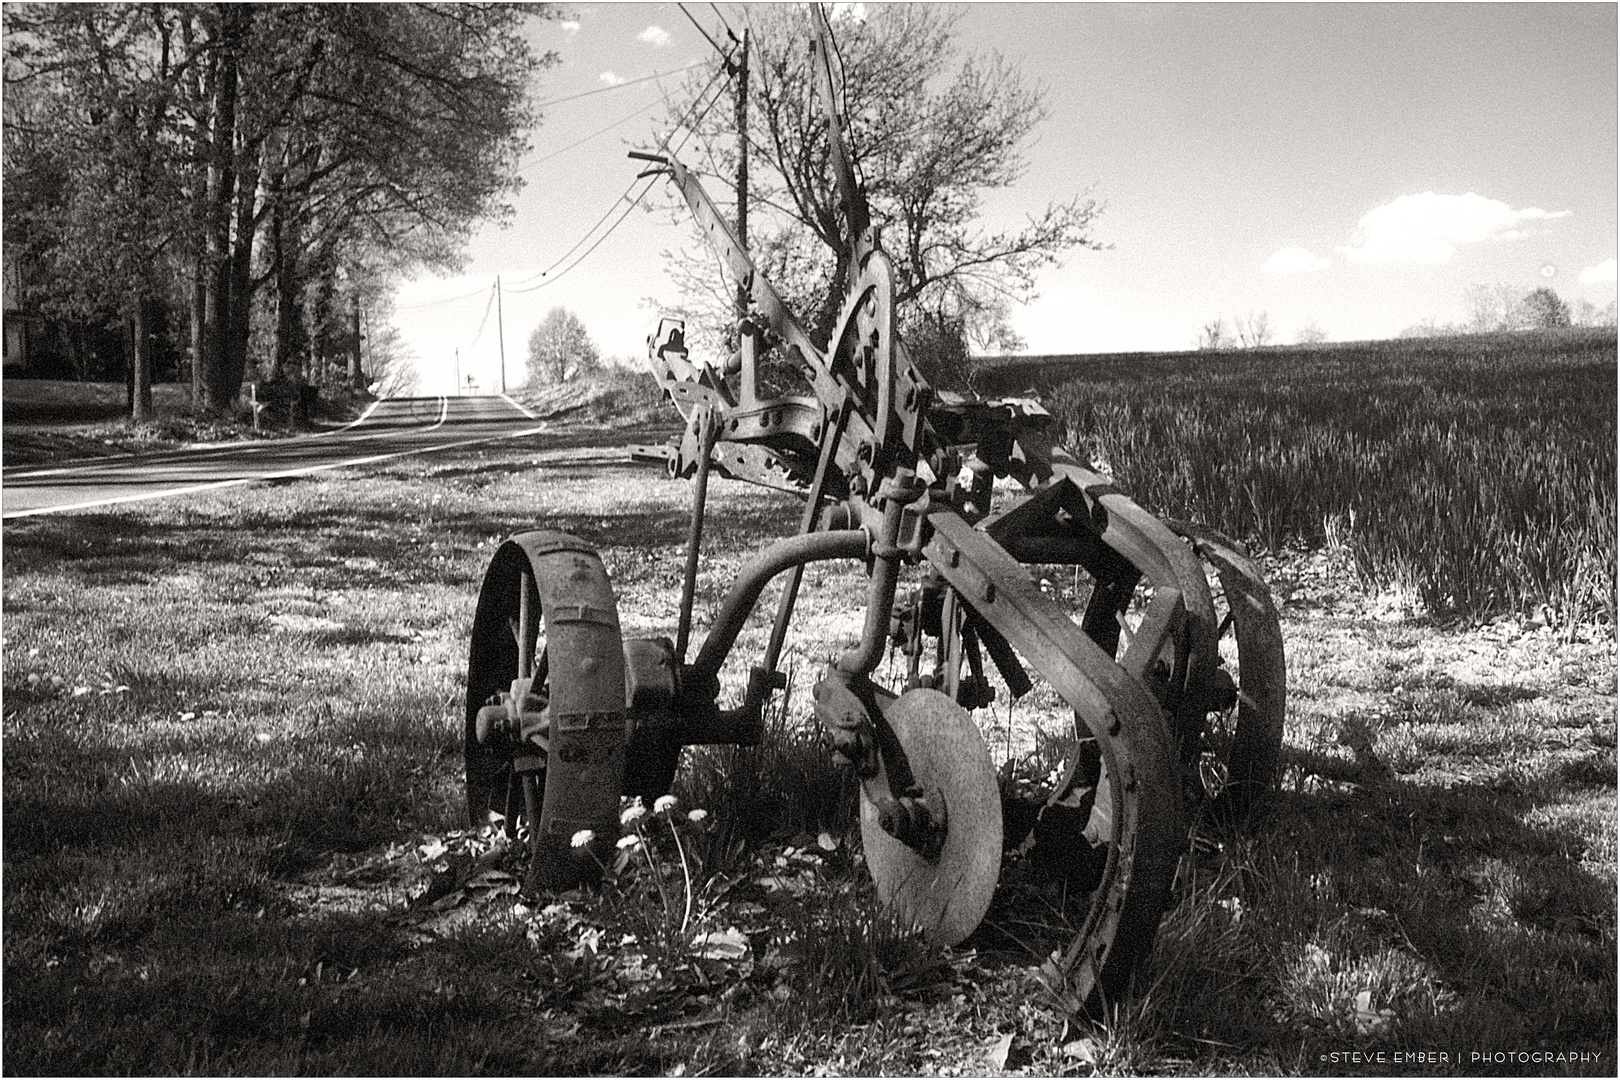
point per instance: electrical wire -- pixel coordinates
(484, 321)
(732, 34)
(586, 253)
(591, 231)
(588, 138)
(664, 142)
(618, 86)
(704, 32)
(436, 303)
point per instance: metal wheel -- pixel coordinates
(1232, 760)
(948, 894)
(505, 646)
(1110, 829)
(545, 718)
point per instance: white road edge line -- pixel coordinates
(363, 417)
(199, 448)
(242, 481)
(520, 408)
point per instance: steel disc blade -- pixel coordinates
(947, 898)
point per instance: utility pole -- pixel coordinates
(500, 331)
(741, 72)
(458, 372)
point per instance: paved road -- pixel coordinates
(393, 428)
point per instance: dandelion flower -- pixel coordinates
(627, 842)
(664, 803)
(697, 815)
(583, 837)
(634, 812)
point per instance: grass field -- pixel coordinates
(1474, 474)
(231, 774)
(232, 761)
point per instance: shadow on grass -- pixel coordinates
(1470, 930)
(228, 993)
(95, 545)
(140, 906)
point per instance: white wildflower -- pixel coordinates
(697, 815)
(665, 803)
(627, 842)
(583, 837)
(634, 812)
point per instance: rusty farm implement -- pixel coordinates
(1173, 670)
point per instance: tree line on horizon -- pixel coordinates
(1489, 308)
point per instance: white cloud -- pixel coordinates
(612, 79)
(1602, 272)
(1293, 261)
(569, 26)
(654, 35)
(1426, 228)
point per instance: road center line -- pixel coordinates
(283, 475)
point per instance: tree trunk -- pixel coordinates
(198, 292)
(291, 340)
(832, 303)
(239, 313)
(141, 363)
(357, 378)
(221, 186)
(71, 345)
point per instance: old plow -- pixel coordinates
(1172, 668)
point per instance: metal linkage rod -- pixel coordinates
(831, 433)
(751, 581)
(694, 537)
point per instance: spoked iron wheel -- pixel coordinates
(507, 644)
(1235, 756)
(1109, 829)
(544, 735)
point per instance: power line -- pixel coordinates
(588, 232)
(591, 231)
(612, 228)
(586, 254)
(588, 138)
(436, 303)
(618, 86)
(732, 34)
(482, 322)
(702, 31)
(634, 203)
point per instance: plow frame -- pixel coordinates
(893, 474)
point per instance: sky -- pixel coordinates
(1355, 168)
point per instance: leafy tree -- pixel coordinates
(560, 349)
(89, 148)
(1494, 307)
(1589, 314)
(929, 135)
(1310, 334)
(313, 149)
(1544, 310)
